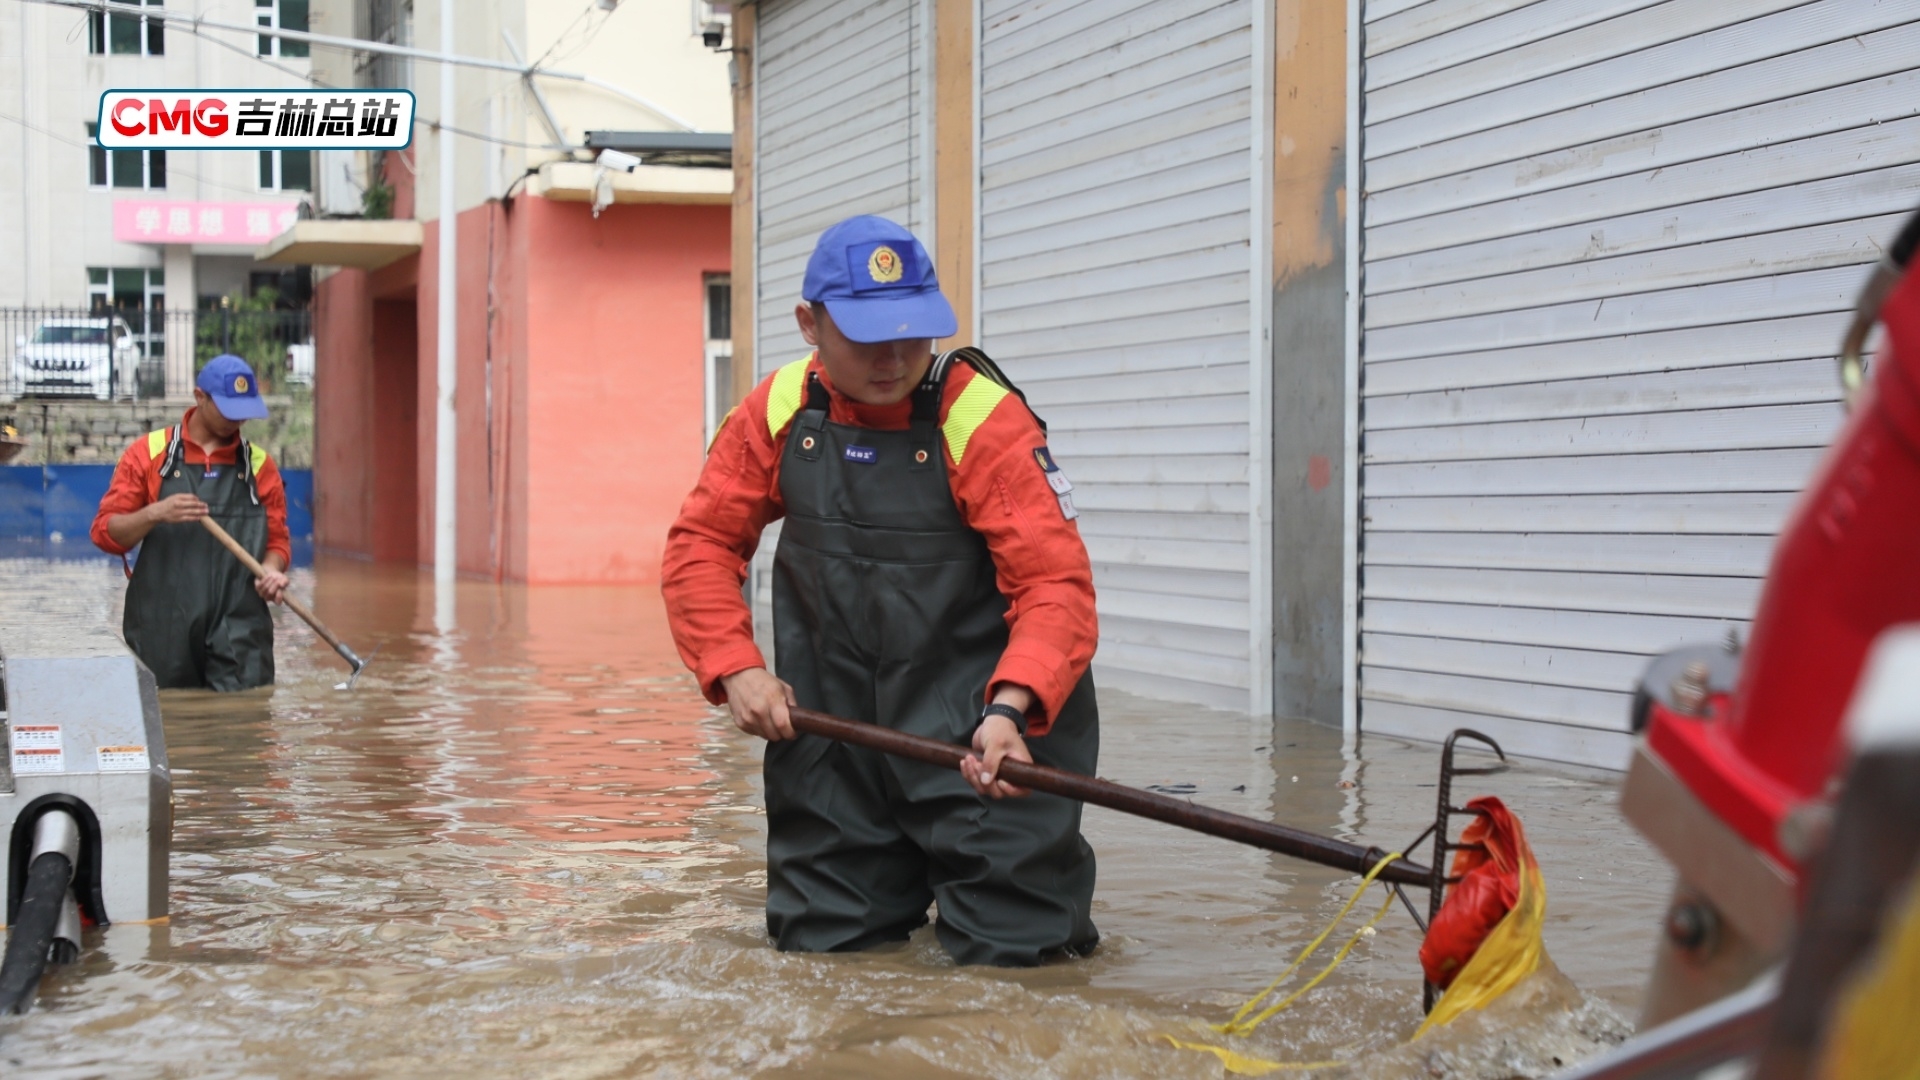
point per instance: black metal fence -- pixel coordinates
(137, 353)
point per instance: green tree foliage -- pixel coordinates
(252, 329)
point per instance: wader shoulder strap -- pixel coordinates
(164, 449)
(974, 404)
(250, 458)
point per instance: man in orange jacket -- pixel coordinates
(929, 578)
(194, 614)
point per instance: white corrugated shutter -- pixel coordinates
(1609, 246)
(841, 129)
(1114, 222)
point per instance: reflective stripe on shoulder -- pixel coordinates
(720, 427)
(157, 443)
(783, 400)
(259, 459)
(969, 411)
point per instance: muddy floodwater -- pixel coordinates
(528, 848)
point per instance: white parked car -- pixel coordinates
(84, 357)
(300, 364)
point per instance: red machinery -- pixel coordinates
(1736, 778)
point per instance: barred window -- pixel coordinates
(123, 168)
(286, 170)
(281, 15)
(126, 35)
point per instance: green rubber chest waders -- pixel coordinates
(192, 614)
(886, 611)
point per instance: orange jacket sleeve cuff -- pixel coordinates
(1042, 669)
(725, 661)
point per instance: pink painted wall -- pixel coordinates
(364, 388)
(342, 380)
(580, 384)
(615, 393)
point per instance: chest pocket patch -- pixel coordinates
(865, 455)
(1057, 480)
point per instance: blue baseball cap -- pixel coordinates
(230, 382)
(877, 282)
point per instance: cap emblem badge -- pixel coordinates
(240, 384)
(883, 266)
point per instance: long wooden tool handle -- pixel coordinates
(1298, 843)
(287, 598)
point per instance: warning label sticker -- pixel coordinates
(36, 736)
(122, 758)
(38, 760)
(37, 749)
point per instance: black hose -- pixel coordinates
(30, 939)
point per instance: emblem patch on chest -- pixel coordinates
(865, 455)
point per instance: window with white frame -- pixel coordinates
(286, 170)
(138, 295)
(280, 15)
(123, 168)
(719, 358)
(126, 288)
(110, 31)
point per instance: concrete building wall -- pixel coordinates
(1309, 385)
(580, 339)
(366, 472)
(580, 395)
(614, 390)
(54, 224)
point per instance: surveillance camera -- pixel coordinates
(714, 35)
(614, 159)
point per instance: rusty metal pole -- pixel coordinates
(1286, 840)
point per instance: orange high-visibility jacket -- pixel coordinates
(997, 466)
(136, 483)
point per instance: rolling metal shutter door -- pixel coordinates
(841, 127)
(834, 136)
(1609, 250)
(1114, 221)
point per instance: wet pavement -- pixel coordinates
(528, 848)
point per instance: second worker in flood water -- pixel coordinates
(929, 578)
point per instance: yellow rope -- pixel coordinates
(1251, 1066)
(1242, 1065)
(1239, 1025)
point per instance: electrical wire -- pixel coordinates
(592, 32)
(432, 125)
(171, 172)
(561, 38)
(315, 80)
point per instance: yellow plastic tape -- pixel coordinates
(1245, 1065)
(1242, 1065)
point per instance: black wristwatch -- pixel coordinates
(1001, 709)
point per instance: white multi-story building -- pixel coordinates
(68, 236)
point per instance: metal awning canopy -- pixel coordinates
(712, 149)
(368, 245)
